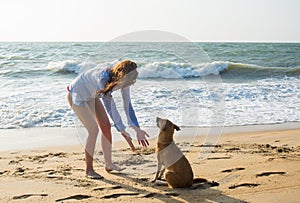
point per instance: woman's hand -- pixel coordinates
(128, 139)
(141, 136)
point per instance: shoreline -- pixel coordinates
(30, 138)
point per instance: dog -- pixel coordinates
(179, 171)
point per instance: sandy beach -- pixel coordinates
(251, 166)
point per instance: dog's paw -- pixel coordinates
(161, 183)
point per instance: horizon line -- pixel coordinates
(95, 41)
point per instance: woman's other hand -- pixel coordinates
(141, 136)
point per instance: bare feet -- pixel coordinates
(93, 175)
(113, 167)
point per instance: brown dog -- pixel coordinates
(169, 156)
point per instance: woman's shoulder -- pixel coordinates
(99, 73)
(105, 73)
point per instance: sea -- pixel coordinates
(193, 84)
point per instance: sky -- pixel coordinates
(196, 20)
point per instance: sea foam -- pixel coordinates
(174, 70)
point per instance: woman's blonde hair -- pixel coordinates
(117, 74)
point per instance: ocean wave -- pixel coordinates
(64, 67)
(175, 70)
(239, 70)
(167, 69)
(69, 66)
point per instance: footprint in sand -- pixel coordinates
(76, 197)
(108, 188)
(19, 171)
(154, 194)
(171, 194)
(54, 175)
(208, 145)
(204, 185)
(29, 195)
(13, 162)
(116, 195)
(233, 170)
(244, 185)
(216, 158)
(270, 173)
(3, 172)
(151, 194)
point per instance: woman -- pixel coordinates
(83, 96)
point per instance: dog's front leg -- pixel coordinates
(159, 166)
(161, 173)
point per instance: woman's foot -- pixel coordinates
(113, 167)
(93, 175)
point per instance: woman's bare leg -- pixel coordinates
(106, 137)
(103, 120)
(86, 115)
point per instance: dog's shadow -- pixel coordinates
(198, 183)
(203, 189)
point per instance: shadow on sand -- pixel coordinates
(202, 193)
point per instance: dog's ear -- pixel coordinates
(163, 125)
(176, 127)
